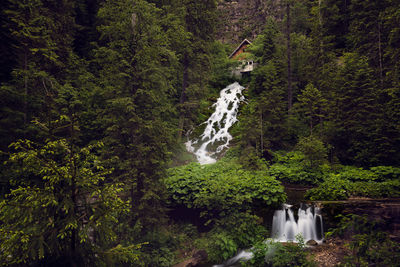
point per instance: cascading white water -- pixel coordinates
(218, 124)
(309, 224)
(235, 261)
(285, 228)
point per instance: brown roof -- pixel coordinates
(244, 42)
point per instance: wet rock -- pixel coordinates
(311, 243)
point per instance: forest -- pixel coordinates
(97, 100)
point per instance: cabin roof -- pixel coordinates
(244, 42)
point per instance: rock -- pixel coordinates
(311, 243)
(244, 18)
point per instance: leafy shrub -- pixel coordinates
(222, 188)
(243, 227)
(290, 255)
(390, 188)
(269, 253)
(295, 174)
(333, 188)
(357, 182)
(223, 247)
(354, 174)
(226, 195)
(292, 167)
(386, 172)
(365, 189)
(293, 157)
(260, 250)
(218, 244)
(375, 190)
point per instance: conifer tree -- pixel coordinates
(134, 59)
(199, 23)
(311, 104)
(357, 111)
(68, 216)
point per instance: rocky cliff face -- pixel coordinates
(244, 18)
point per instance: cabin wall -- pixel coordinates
(238, 55)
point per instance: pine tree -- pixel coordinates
(42, 33)
(357, 111)
(135, 71)
(68, 217)
(311, 105)
(199, 24)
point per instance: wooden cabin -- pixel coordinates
(245, 66)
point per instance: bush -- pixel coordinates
(295, 174)
(222, 188)
(221, 246)
(357, 182)
(314, 150)
(243, 227)
(333, 188)
(290, 255)
(355, 174)
(292, 167)
(269, 253)
(386, 172)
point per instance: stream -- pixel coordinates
(287, 223)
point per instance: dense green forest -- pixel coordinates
(97, 97)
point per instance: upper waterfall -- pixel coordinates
(217, 126)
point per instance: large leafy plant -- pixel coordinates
(222, 188)
(380, 181)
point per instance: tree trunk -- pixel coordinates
(132, 202)
(261, 133)
(73, 189)
(380, 54)
(182, 98)
(25, 86)
(139, 189)
(321, 44)
(289, 58)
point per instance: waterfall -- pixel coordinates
(285, 228)
(217, 126)
(309, 224)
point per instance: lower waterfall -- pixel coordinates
(285, 228)
(309, 224)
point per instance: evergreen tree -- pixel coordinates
(135, 74)
(42, 32)
(68, 217)
(199, 23)
(367, 34)
(357, 111)
(310, 106)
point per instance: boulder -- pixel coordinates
(312, 243)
